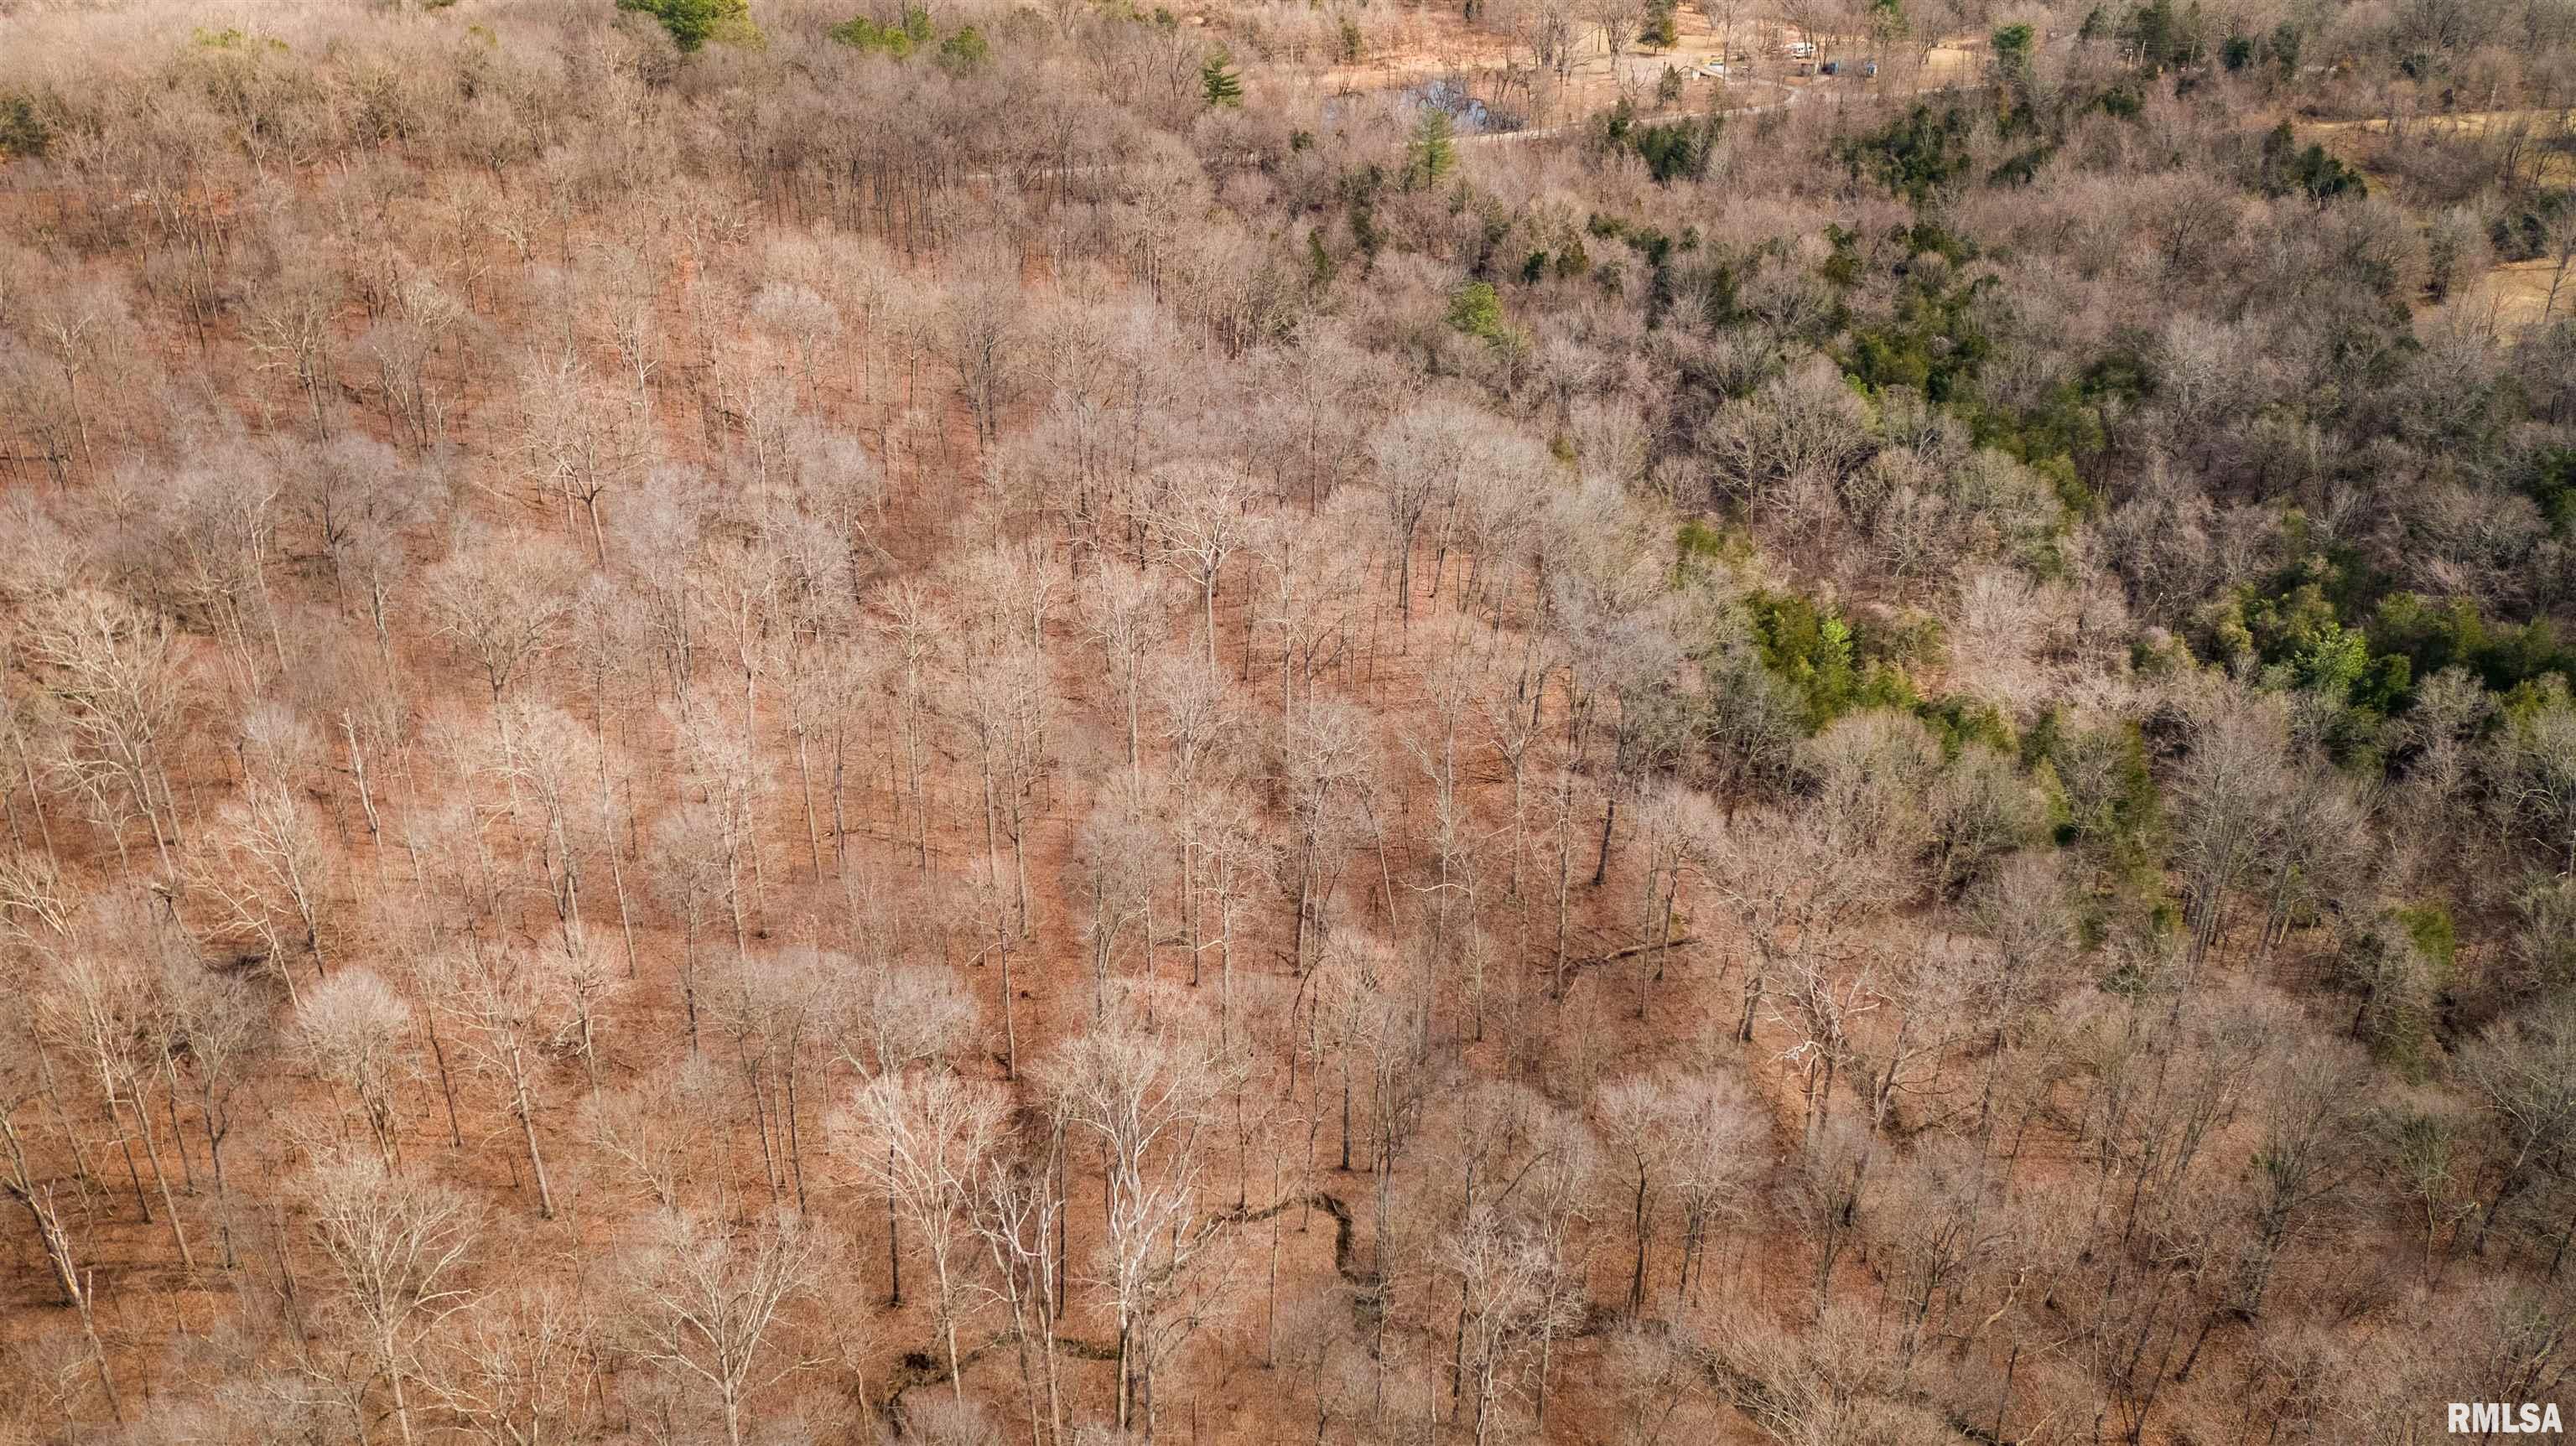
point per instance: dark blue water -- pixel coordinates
(1468, 116)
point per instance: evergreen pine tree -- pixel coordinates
(1219, 83)
(1431, 154)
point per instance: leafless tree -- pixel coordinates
(2309, 1158)
(1119, 610)
(723, 772)
(1009, 702)
(980, 332)
(689, 869)
(122, 683)
(1017, 1211)
(826, 680)
(291, 331)
(400, 1250)
(917, 629)
(893, 1019)
(1926, 998)
(102, 1008)
(806, 320)
(1548, 28)
(513, 1001)
(220, 1025)
(513, 1374)
(1422, 454)
(1202, 520)
(1325, 769)
(354, 1031)
(1620, 22)
(1786, 879)
(2536, 764)
(900, 1015)
(1824, 1195)
(267, 871)
(2227, 793)
(1508, 1281)
(1113, 876)
(1797, 426)
(1313, 575)
(23, 1078)
(1143, 1083)
(1229, 862)
(924, 1138)
(425, 323)
(499, 603)
(2560, 252)
(551, 764)
(1718, 1140)
(578, 441)
(1941, 1212)
(780, 1011)
(1636, 1125)
(1723, 17)
(79, 328)
(2525, 1073)
(648, 1131)
(713, 1304)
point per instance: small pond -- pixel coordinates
(1469, 116)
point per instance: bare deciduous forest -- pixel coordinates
(1830, 722)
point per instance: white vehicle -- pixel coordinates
(1802, 50)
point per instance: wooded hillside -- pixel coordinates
(1287, 722)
